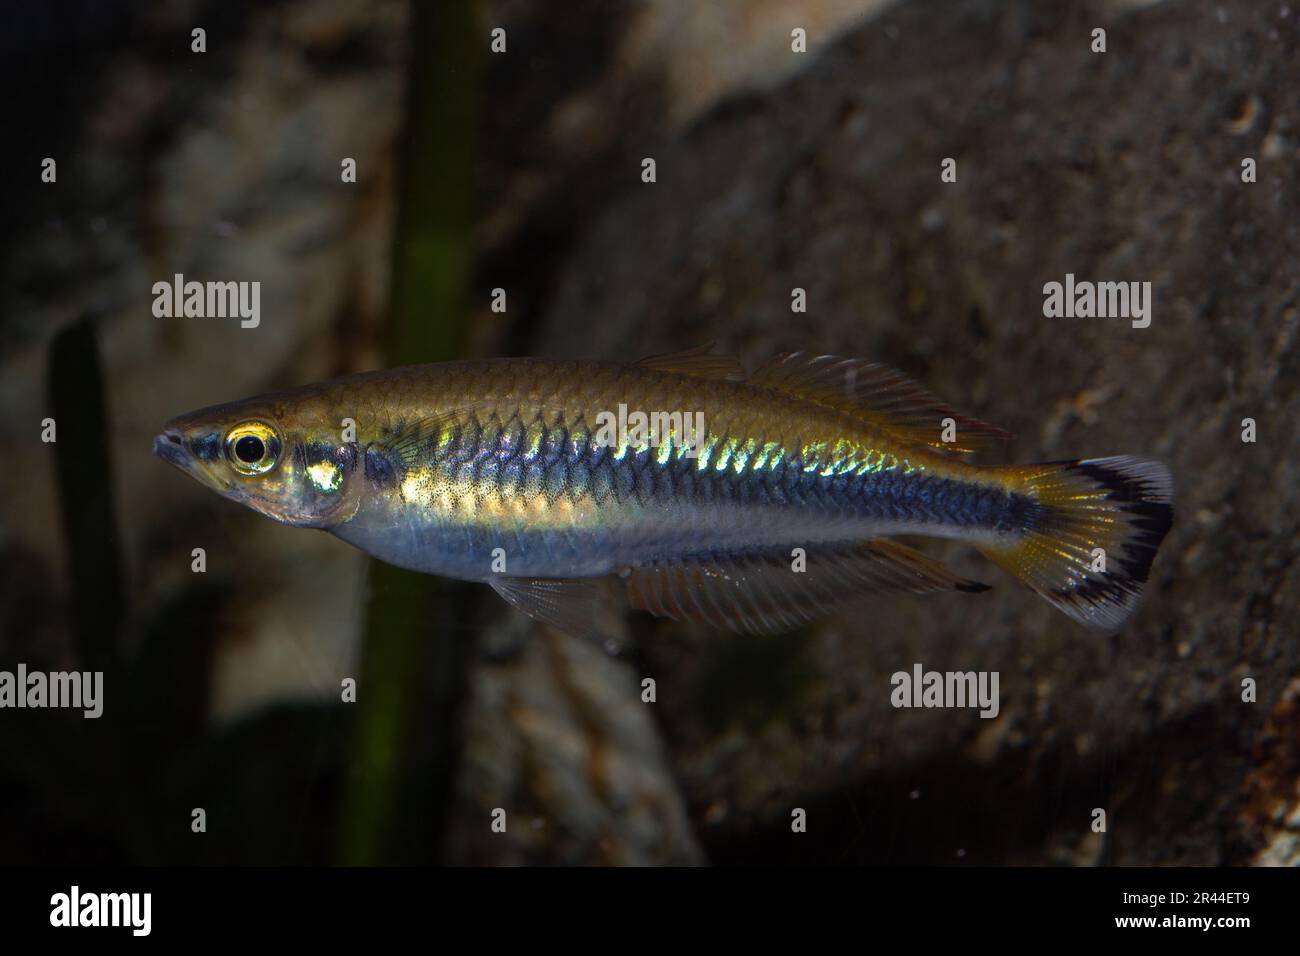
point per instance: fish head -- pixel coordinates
(287, 464)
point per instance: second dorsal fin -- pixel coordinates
(879, 394)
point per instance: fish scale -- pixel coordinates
(478, 454)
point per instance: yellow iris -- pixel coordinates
(252, 448)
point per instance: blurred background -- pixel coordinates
(521, 171)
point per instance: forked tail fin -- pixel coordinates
(1090, 535)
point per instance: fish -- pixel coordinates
(754, 501)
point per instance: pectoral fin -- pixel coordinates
(412, 443)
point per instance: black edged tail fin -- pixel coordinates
(1091, 534)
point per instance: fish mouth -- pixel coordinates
(170, 447)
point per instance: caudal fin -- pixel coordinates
(1091, 532)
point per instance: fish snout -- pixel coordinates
(170, 446)
(196, 452)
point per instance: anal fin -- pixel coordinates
(761, 593)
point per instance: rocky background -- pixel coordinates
(775, 170)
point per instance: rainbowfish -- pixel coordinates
(755, 502)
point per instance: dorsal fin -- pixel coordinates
(879, 394)
(699, 362)
(760, 592)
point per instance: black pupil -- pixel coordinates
(250, 449)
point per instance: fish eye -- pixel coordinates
(252, 448)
